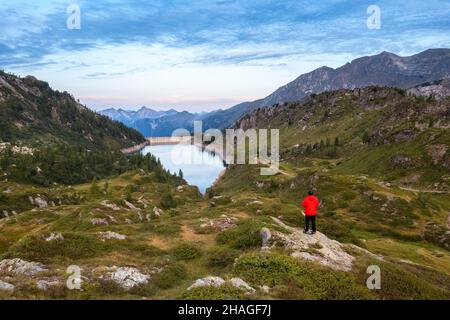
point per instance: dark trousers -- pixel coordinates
(311, 219)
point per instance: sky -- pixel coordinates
(200, 55)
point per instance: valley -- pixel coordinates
(75, 193)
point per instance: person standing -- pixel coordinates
(310, 205)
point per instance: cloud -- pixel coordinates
(251, 46)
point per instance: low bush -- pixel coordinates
(186, 252)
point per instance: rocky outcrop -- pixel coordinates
(5, 286)
(128, 278)
(317, 247)
(99, 221)
(207, 282)
(45, 284)
(216, 282)
(219, 224)
(266, 235)
(108, 235)
(21, 267)
(54, 237)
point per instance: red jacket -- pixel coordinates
(310, 204)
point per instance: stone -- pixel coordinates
(54, 237)
(128, 277)
(99, 221)
(40, 202)
(157, 211)
(111, 206)
(21, 267)
(317, 247)
(265, 289)
(265, 236)
(241, 284)
(219, 224)
(5, 286)
(210, 281)
(44, 284)
(108, 235)
(130, 205)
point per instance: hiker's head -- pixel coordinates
(310, 193)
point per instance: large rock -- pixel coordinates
(317, 247)
(108, 235)
(5, 286)
(99, 221)
(207, 282)
(241, 284)
(265, 236)
(54, 237)
(21, 267)
(220, 224)
(128, 277)
(45, 284)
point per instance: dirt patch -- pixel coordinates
(189, 234)
(161, 243)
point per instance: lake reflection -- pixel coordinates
(199, 168)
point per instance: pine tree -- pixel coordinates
(336, 141)
(365, 137)
(180, 174)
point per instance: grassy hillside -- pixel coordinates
(33, 114)
(143, 233)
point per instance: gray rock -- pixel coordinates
(108, 235)
(266, 235)
(317, 247)
(128, 277)
(241, 284)
(19, 266)
(54, 237)
(207, 282)
(99, 221)
(5, 286)
(44, 284)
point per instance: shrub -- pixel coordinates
(74, 246)
(168, 201)
(244, 236)
(170, 276)
(224, 292)
(186, 252)
(222, 258)
(267, 269)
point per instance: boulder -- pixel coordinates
(207, 282)
(108, 235)
(99, 221)
(265, 236)
(128, 277)
(157, 211)
(111, 206)
(219, 224)
(54, 237)
(241, 284)
(21, 267)
(317, 247)
(5, 286)
(44, 284)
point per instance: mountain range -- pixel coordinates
(384, 69)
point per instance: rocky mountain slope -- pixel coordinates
(384, 69)
(128, 117)
(33, 114)
(153, 123)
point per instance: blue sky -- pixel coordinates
(204, 54)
